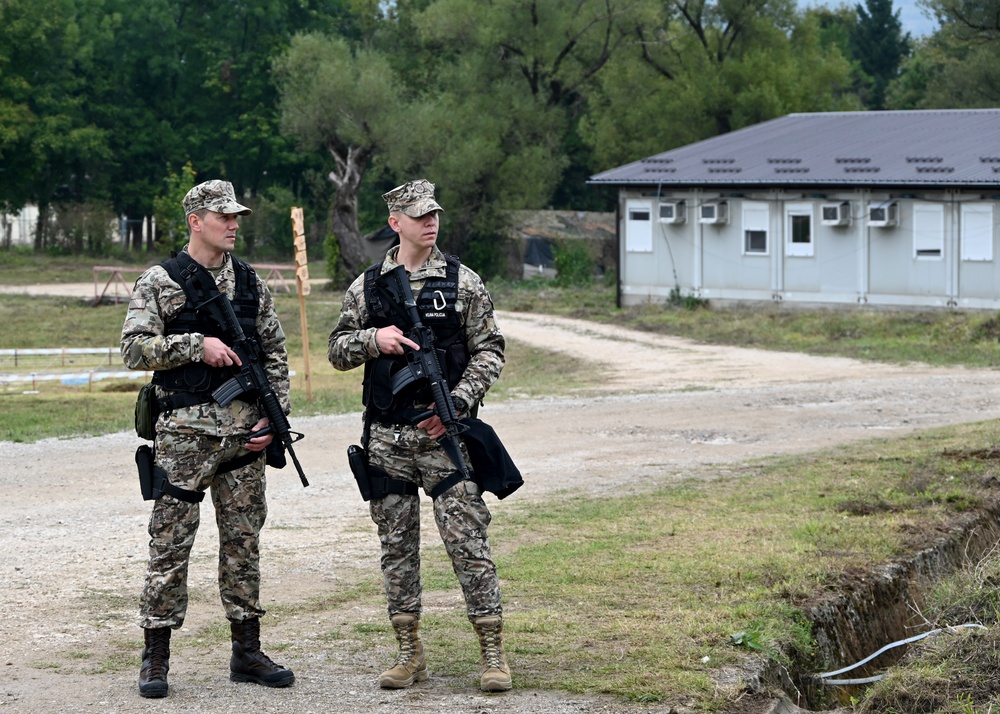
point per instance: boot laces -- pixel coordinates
(158, 654)
(407, 644)
(490, 640)
(264, 659)
(251, 635)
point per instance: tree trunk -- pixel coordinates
(344, 223)
(150, 237)
(43, 214)
(135, 234)
(344, 215)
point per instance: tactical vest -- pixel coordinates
(197, 377)
(436, 305)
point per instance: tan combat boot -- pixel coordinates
(410, 665)
(496, 672)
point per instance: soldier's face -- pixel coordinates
(419, 232)
(218, 231)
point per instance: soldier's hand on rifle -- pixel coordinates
(219, 354)
(433, 425)
(390, 341)
(260, 436)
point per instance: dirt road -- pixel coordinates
(72, 525)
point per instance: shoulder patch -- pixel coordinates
(137, 303)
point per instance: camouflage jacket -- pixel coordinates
(156, 299)
(352, 342)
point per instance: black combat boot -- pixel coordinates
(249, 664)
(155, 663)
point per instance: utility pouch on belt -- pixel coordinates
(153, 482)
(147, 409)
(373, 482)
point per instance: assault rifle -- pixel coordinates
(424, 364)
(251, 377)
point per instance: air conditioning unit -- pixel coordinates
(673, 212)
(883, 214)
(835, 214)
(716, 212)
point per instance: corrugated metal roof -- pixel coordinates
(959, 147)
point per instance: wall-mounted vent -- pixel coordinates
(883, 214)
(835, 214)
(716, 212)
(673, 212)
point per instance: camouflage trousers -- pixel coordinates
(460, 513)
(191, 460)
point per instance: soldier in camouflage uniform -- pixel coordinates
(410, 452)
(195, 436)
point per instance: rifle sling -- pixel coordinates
(446, 484)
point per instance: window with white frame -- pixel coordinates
(976, 231)
(799, 230)
(928, 231)
(639, 226)
(756, 218)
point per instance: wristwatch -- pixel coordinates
(461, 406)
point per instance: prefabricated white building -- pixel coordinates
(878, 208)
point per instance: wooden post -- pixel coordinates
(302, 282)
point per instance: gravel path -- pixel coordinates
(72, 527)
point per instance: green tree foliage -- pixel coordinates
(192, 83)
(97, 96)
(345, 103)
(958, 66)
(968, 19)
(168, 209)
(520, 72)
(698, 70)
(48, 138)
(880, 46)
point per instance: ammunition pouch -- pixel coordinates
(153, 481)
(147, 410)
(375, 483)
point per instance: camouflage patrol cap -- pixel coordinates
(414, 198)
(214, 195)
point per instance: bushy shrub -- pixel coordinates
(574, 263)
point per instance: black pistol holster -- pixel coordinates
(153, 480)
(375, 483)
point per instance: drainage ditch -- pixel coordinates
(874, 610)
